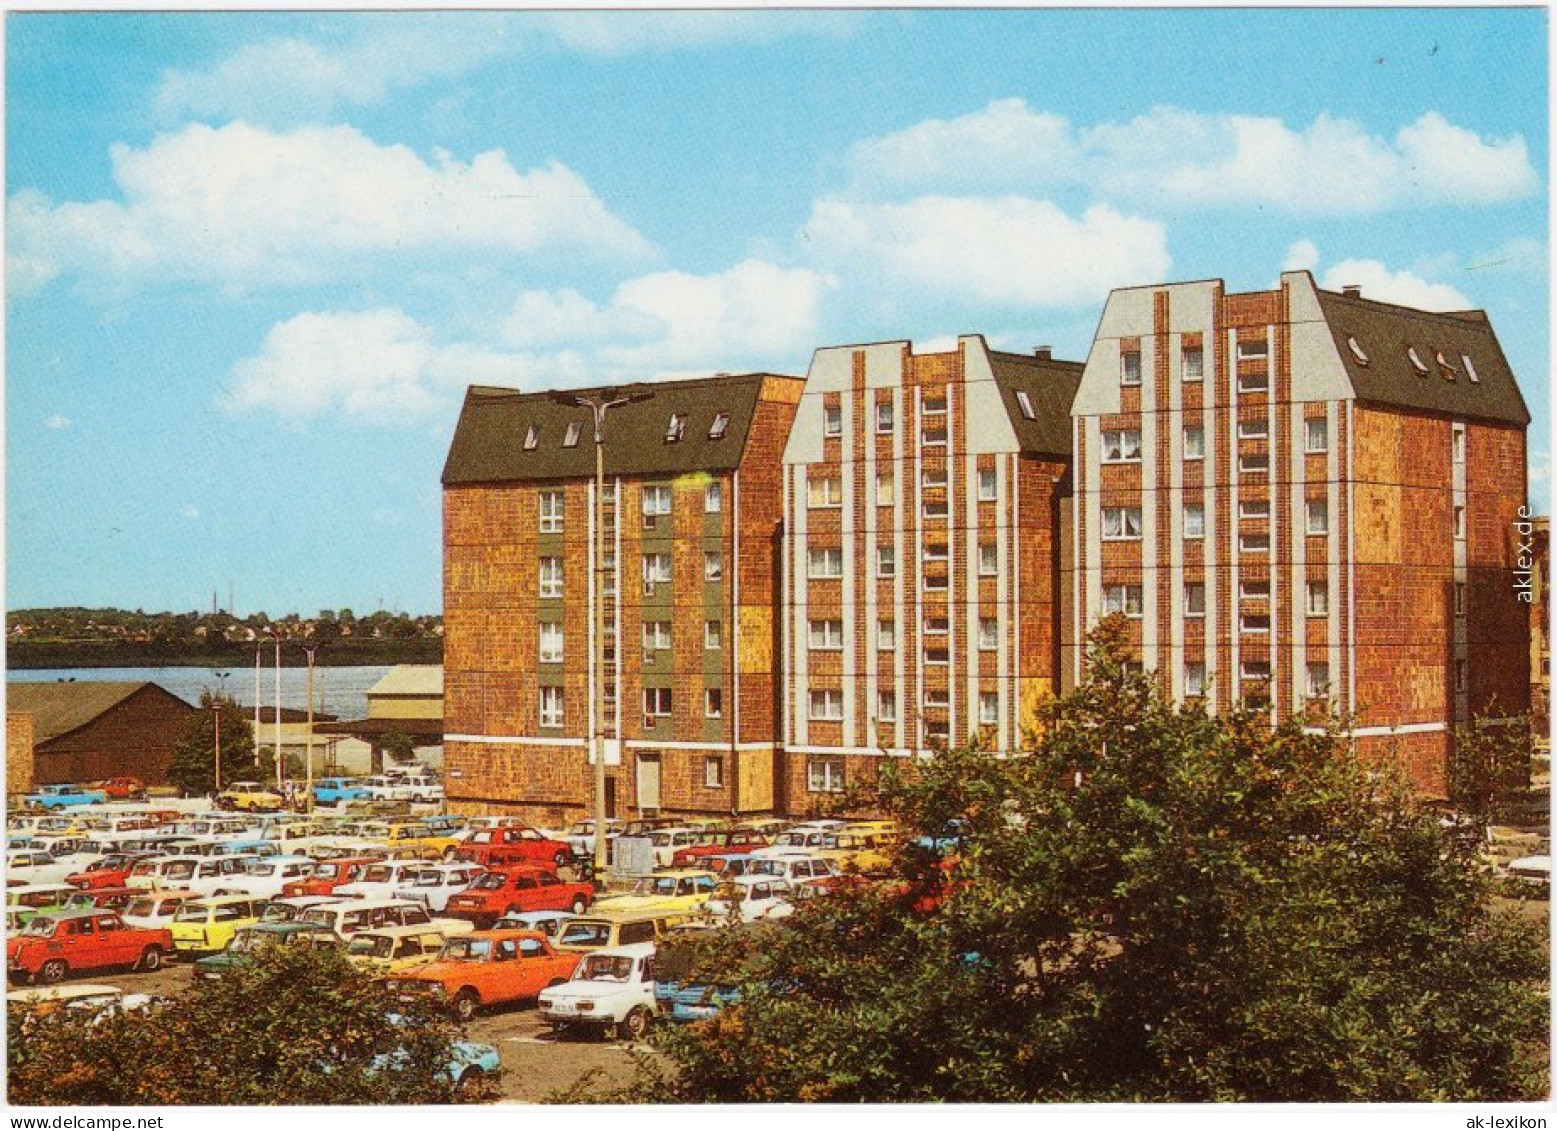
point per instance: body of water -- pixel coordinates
(342, 692)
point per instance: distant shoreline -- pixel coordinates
(23, 655)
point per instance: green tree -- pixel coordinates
(1489, 768)
(193, 769)
(299, 1026)
(398, 746)
(1151, 904)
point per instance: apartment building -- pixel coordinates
(686, 581)
(1307, 496)
(922, 498)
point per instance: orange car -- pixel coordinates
(329, 875)
(489, 967)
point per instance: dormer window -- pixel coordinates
(677, 425)
(1445, 367)
(532, 436)
(1357, 351)
(1025, 403)
(721, 424)
(571, 439)
(1416, 361)
(1470, 369)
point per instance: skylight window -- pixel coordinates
(571, 439)
(1416, 361)
(1446, 367)
(677, 425)
(1357, 351)
(716, 430)
(1470, 369)
(1026, 404)
(532, 436)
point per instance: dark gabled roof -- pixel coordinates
(1385, 333)
(1050, 386)
(63, 706)
(489, 440)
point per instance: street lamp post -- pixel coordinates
(216, 709)
(280, 762)
(599, 406)
(308, 795)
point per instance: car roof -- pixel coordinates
(680, 873)
(401, 931)
(631, 950)
(224, 900)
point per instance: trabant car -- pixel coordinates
(489, 967)
(122, 788)
(155, 908)
(720, 843)
(610, 989)
(109, 871)
(749, 898)
(599, 929)
(684, 889)
(250, 796)
(50, 947)
(346, 917)
(290, 908)
(518, 888)
(380, 879)
(205, 875)
(37, 866)
(857, 849)
(435, 884)
(267, 876)
(205, 925)
(30, 899)
(418, 839)
(548, 923)
(64, 797)
(395, 950)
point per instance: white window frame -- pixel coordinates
(552, 709)
(657, 635)
(713, 702)
(720, 426)
(1252, 543)
(825, 705)
(989, 486)
(1195, 679)
(1250, 348)
(1254, 509)
(1194, 441)
(886, 418)
(989, 708)
(1254, 463)
(1254, 624)
(551, 639)
(551, 577)
(570, 438)
(658, 702)
(1461, 676)
(989, 634)
(1194, 520)
(1316, 426)
(936, 626)
(1118, 599)
(1190, 612)
(1316, 516)
(938, 509)
(1316, 598)
(886, 489)
(825, 635)
(824, 563)
(937, 552)
(936, 699)
(886, 561)
(1254, 382)
(656, 571)
(886, 706)
(824, 492)
(1470, 369)
(1025, 403)
(1130, 374)
(675, 428)
(939, 657)
(656, 501)
(713, 498)
(532, 437)
(1254, 429)
(551, 506)
(1316, 689)
(713, 635)
(934, 479)
(1254, 671)
(825, 775)
(1125, 520)
(1254, 589)
(713, 772)
(886, 634)
(1121, 445)
(713, 565)
(1198, 371)
(989, 559)
(832, 420)
(1459, 524)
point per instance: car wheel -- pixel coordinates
(466, 1002)
(151, 960)
(580, 905)
(634, 1025)
(53, 971)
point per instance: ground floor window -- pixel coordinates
(824, 775)
(713, 772)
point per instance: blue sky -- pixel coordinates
(253, 260)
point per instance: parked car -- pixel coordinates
(333, 791)
(600, 929)
(250, 940)
(857, 849)
(548, 923)
(100, 899)
(719, 843)
(203, 926)
(64, 796)
(580, 836)
(250, 796)
(611, 989)
(346, 917)
(433, 885)
(513, 845)
(109, 871)
(205, 875)
(684, 889)
(122, 788)
(155, 908)
(397, 950)
(682, 993)
(518, 888)
(266, 876)
(37, 866)
(290, 908)
(27, 900)
(327, 875)
(415, 839)
(1533, 870)
(50, 947)
(490, 967)
(380, 879)
(797, 869)
(669, 841)
(753, 897)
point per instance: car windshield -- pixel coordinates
(179, 870)
(326, 871)
(259, 868)
(585, 934)
(482, 837)
(374, 946)
(39, 925)
(80, 902)
(605, 968)
(474, 949)
(191, 913)
(278, 913)
(489, 882)
(656, 885)
(378, 874)
(430, 879)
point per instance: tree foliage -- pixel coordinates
(399, 746)
(1490, 766)
(193, 769)
(1151, 904)
(299, 1026)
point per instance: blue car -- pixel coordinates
(63, 796)
(332, 791)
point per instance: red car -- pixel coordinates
(718, 844)
(50, 947)
(122, 789)
(330, 874)
(110, 872)
(518, 888)
(496, 847)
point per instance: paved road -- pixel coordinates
(536, 1063)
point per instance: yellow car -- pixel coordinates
(204, 926)
(394, 950)
(415, 839)
(681, 889)
(250, 797)
(857, 849)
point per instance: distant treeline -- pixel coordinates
(22, 655)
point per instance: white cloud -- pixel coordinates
(1181, 158)
(1301, 256)
(623, 33)
(1400, 287)
(672, 321)
(244, 207)
(189, 511)
(1007, 250)
(56, 422)
(375, 366)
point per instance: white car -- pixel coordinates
(667, 842)
(611, 989)
(548, 923)
(37, 866)
(268, 875)
(203, 875)
(422, 789)
(753, 897)
(581, 836)
(795, 868)
(433, 884)
(1535, 870)
(155, 908)
(382, 881)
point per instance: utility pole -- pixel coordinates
(311, 648)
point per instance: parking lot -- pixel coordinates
(536, 1063)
